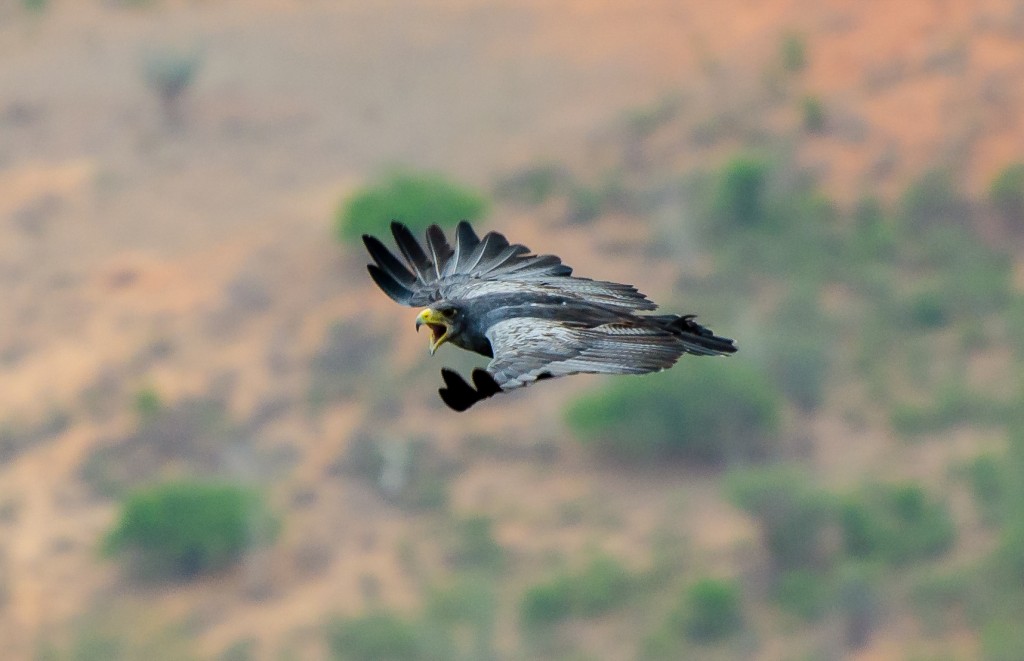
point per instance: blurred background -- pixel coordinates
(219, 441)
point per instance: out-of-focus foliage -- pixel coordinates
(711, 610)
(184, 529)
(793, 517)
(709, 411)
(380, 636)
(896, 523)
(813, 114)
(475, 545)
(417, 199)
(170, 73)
(602, 585)
(1007, 195)
(533, 185)
(793, 52)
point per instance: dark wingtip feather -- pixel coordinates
(389, 285)
(411, 250)
(387, 261)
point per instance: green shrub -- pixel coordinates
(184, 529)
(602, 585)
(798, 348)
(896, 523)
(803, 593)
(147, 403)
(374, 637)
(813, 112)
(475, 545)
(793, 53)
(416, 199)
(934, 199)
(1007, 194)
(791, 515)
(710, 411)
(741, 197)
(546, 603)
(170, 74)
(987, 476)
(711, 610)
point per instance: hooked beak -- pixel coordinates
(438, 327)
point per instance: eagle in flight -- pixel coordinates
(527, 313)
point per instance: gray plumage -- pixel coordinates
(528, 312)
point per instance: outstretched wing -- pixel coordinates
(530, 349)
(476, 267)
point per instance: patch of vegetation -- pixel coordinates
(35, 6)
(185, 529)
(812, 111)
(533, 185)
(799, 348)
(793, 53)
(741, 193)
(710, 412)
(417, 199)
(934, 200)
(475, 545)
(466, 610)
(147, 403)
(380, 636)
(793, 517)
(989, 482)
(952, 404)
(711, 610)
(170, 74)
(897, 523)
(1006, 195)
(804, 593)
(602, 585)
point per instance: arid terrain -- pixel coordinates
(191, 256)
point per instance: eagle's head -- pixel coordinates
(445, 322)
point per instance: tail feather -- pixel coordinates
(698, 340)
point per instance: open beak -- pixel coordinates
(437, 325)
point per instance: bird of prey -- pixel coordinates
(527, 313)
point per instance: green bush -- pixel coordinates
(987, 477)
(710, 411)
(602, 585)
(1007, 194)
(792, 516)
(183, 529)
(896, 523)
(803, 593)
(475, 545)
(416, 199)
(374, 637)
(813, 111)
(741, 193)
(934, 199)
(711, 610)
(546, 603)
(793, 53)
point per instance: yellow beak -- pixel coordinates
(438, 326)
